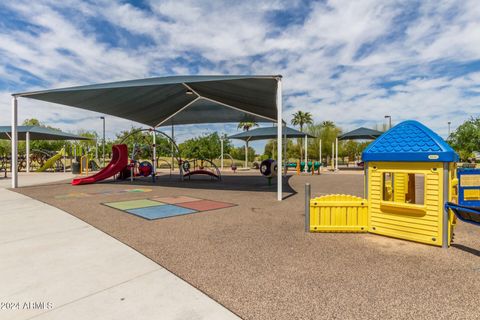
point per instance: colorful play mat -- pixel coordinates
(164, 207)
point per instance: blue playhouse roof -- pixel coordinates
(410, 141)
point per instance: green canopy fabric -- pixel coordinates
(361, 134)
(38, 133)
(174, 100)
(268, 133)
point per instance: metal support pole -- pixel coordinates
(246, 154)
(173, 147)
(279, 138)
(14, 137)
(221, 154)
(285, 142)
(103, 143)
(96, 147)
(308, 195)
(306, 152)
(64, 158)
(320, 154)
(336, 154)
(154, 161)
(333, 155)
(446, 186)
(27, 150)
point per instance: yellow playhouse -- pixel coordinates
(410, 173)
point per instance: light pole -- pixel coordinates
(96, 146)
(103, 142)
(389, 121)
(449, 123)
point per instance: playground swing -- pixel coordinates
(197, 166)
(233, 165)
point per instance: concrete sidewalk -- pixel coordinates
(55, 266)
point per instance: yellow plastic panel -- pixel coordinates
(338, 213)
(415, 222)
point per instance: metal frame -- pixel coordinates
(305, 167)
(14, 163)
(279, 138)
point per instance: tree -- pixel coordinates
(32, 122)
(247, 125)
(270, 150)
(204, 147)
(466, 138)
(300, 119)
(239, 153)
(326, 131)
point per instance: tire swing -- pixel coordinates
(268, 169)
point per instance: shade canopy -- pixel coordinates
(268, 133)
(175, 100)
(38, 133)
(361, 134)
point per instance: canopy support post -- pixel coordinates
(320, 154)
(154, 160)
(333, 156)
(27, 150)
(279, 138)
(221, 154)
(173, 141)
(285, 141)
(14, 162)
(306, 151)
(336, 154)
(65, 158)
(246, 155)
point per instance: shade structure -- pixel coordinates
(174, 100)
(269, 133)
(38, 133)
(361, 134)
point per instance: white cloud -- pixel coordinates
(318, 57)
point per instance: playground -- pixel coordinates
(269, 243)
(256, 260)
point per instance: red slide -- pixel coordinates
(118, 163)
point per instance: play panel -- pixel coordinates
(164, 207)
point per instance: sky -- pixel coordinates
(351, 62)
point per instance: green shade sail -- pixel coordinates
(268, 133)
(175, 100)
(38, 133)
(361, 134)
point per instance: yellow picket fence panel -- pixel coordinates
(338, 213)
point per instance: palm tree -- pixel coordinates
(300, 119)
(328, 124)
(245, 126)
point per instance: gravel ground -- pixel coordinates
(256, 259)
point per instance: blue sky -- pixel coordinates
(352, 62)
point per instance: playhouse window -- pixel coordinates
(402, 187)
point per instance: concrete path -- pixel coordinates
(55, 266)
